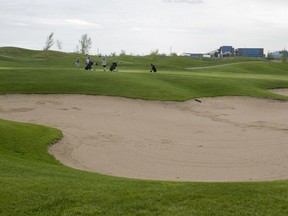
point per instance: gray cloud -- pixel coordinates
(140, 26)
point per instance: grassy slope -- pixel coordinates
(33, 183)
(56, 73)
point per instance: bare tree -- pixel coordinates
(123, 53)
(85, 44)
(77, 50)
(49, 41)
(59, 44)
(154, 52)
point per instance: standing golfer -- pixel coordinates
(87, 60)
(104, 64)
(77, 63)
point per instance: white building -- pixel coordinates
(278, 54)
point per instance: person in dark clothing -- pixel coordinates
(153, 68)
(104, 64)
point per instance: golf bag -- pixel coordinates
(113, 67)
(89, 66)
(153, 68)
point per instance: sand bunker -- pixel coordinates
(280, 91)
(220, 139)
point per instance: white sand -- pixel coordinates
(221, 139)
(280, 91)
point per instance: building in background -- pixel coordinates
(278, 54)
(230, 51)
(195, 55)
(226, 51)
(250, 52)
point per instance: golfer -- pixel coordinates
(104, 64)
(77, 63)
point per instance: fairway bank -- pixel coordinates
(221, 139)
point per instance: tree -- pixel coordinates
(59, 44)
(270, 56)
(49, 41)
(154, 52)
(85, 44)
(123, 53)
(77, 50)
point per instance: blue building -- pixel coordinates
(226, 51)
(250, 52)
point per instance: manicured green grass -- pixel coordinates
(56, 73)
(32, 182)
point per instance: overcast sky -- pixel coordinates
(139, 26)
